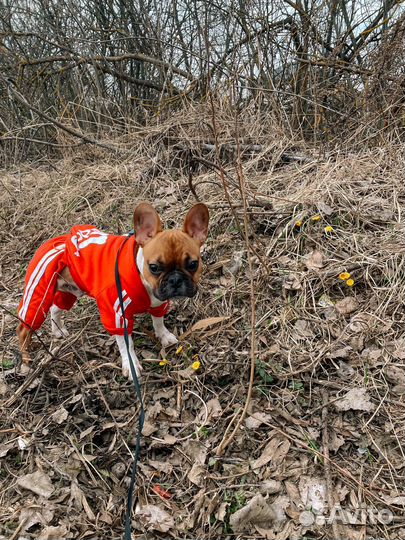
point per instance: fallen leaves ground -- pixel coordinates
(323, 433)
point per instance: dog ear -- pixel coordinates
(196, 222)
(146, 223)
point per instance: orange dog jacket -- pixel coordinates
(90, 255)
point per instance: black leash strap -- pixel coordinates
(127, 533)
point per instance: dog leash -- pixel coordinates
(127, 533)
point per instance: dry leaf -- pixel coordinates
(80, 501)
(395, 374)
(399, 352)
(166, 393)
(335, 441)
(154, 518)
(5, 448)
(220, 514)
(359, 533)
(281, 452)
(23, 443)
(3, 388)
(214, 411)
(169, 439)
(105, 517)
(171, 412)
(399, 500)
(292, 283)
(313, 493)
(357, 342)
(87, 509)
(34, 515)
(256, 420)
(356, 399)
(148, 428)
(266, 534)
(345, 370)
(205, 323)
(341, 491)
(346, 305)
(38, 482)
(269, 487)
(75, 399)
(235, 263)
(359, 322)
(304, 329)
(314, 260)
(86, 432)
(399, 389)
(324, 208)
(162, 466)
(257, 511)
(275, 451)
(340, 353)
(293, 492)
(196, 451)
(196, 474)
(153, 411)
(53, 533)
(60, 415)
(371, 355)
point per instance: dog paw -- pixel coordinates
(126, 370)
(167, 338)
(60, 332)
(26, 359)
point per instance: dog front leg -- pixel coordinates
(24, 335)
(126, 370)
(165, 337)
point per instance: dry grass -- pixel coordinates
(310, 351)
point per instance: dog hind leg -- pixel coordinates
(59, 329)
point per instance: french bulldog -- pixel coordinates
(154, 265)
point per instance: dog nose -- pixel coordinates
(175, 280)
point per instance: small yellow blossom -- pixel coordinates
(350, 282)
(196, 365)
(328, 229)
(298, 224)
(164, 362)
(179, 350)
(344, 276)
(317, 217)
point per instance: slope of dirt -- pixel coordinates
(318, 454)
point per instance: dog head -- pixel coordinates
(171, 258)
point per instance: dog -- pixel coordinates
(155, 265)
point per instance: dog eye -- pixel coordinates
(155, 269)
(192, 266)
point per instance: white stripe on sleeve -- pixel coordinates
(36, 276)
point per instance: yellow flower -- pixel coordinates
(328, 229)
(196, 365)
(350, 282)
(317, 217)
(164, 362)
(344, 276)
(179, 350)
(298, 224)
